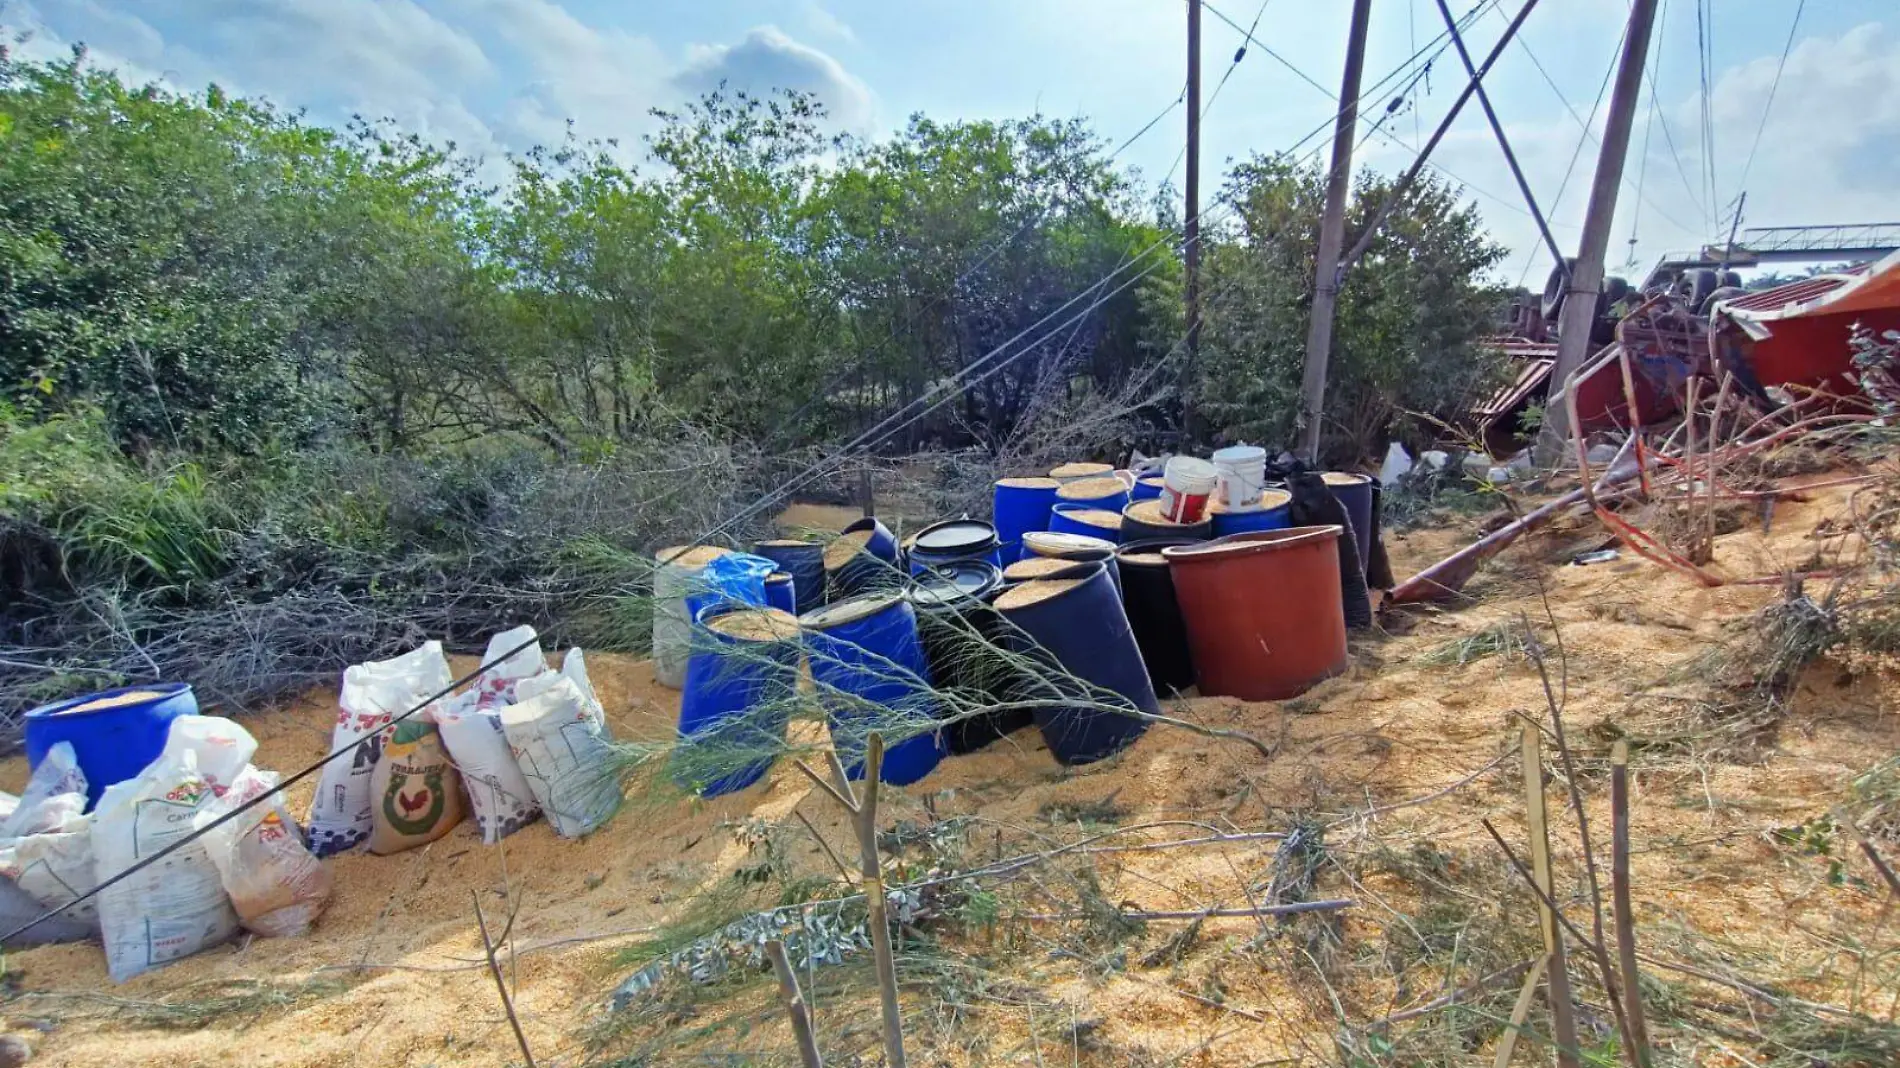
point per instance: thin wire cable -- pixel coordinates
(1570, 171)
(1780, 65)
(1662, 119)
(1239, 53)
(285, 784)
(1584, 125)
(863, 361)
(1705, 58)
(883, 429)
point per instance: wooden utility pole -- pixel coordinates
(1586, 279)
(1332, 234)
(1191, 225)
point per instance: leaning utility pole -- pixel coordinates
(1191, 227)
(1586, 278)
(1332, 234)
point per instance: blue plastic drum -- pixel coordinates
(1108, 494)
(1274, 514)
(868, 661)
(805, 562)
(953, 541)
(1086, 520)
(1074, 621)
(1021, 505)
(863, 558)
(1147, 489)
(115, 733)
(734, 704)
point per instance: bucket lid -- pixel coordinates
(1240, 454)
(690, 557)
(1082, 470)
(955, 535)
(1269, 500)
(1033, 483)
(849, 610)
(1254, 541)
(754, 625)
(1091, 489)
(1344, 478)
(781, 575)
(1058, 544)
(959, 581)
(1035, 567)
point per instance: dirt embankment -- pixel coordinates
(1399, 761)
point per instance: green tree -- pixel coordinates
(1409, 315)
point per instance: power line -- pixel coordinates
(1584, 125)
(1571, 170)
(1239, 53)
(1662, 119)
(863, 361)
(1705, 58)
(1780, 65)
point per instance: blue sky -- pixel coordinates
(501, 75)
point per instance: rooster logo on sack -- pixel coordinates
(415, 800)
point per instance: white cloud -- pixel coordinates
(821, 21)
(492, 75)
(767, 59)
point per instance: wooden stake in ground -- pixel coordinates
(795, 1006)
(494, 969)
(1623, 916)
(864, 820)
(1562, 1007)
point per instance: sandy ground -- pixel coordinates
(400, 959)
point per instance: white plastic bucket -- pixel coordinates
(1241, 474)
(1186, 485)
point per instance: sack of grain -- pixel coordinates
(562, 747)
(277, 887)
(58, 776)
(178, 906)
(500, 797)
(417, 791)
(49, 869)
(341, 814)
